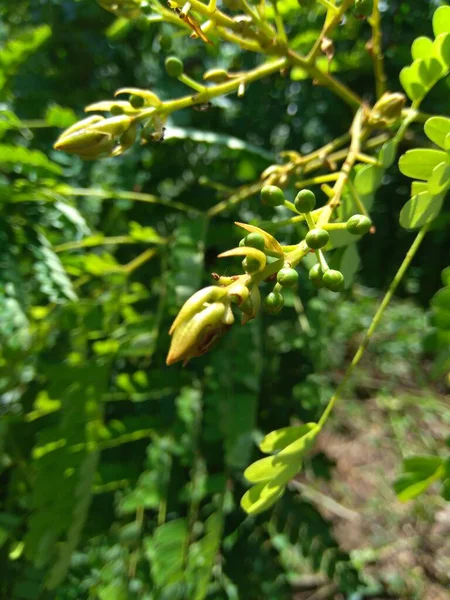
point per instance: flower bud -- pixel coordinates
(174, 66)
(238, 293)
(273, 302)
(305, 201)
(216, 75)
(272, 195)
(195, 333)
(333, 280)
(316, 274)
(287, 277)
(359, 225)
(93, 137)
(255, 240)
(317, 238)
(388, 110)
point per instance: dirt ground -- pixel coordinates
(405, 546)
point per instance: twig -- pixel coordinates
(328, 503)
(376, 50)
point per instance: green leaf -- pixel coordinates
(418, 186)
(441, 299)
(410, 80)
(272, 467)
(441, 48)
(387, 154)
(280, 438)
(165, 551)
(419, 210)
(420, 162)
(210, 137)
(419, 473)
(422, 47)
(439, 181)
(445, 276)
(261, 497)
(430, 70)
(436, 130)
(59, 116)
(144, 234)
(368, 179)
(13, 155)
(350, 263)
(441, 20)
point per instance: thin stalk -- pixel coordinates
(375, 322)
(132, 196)
(377, 51)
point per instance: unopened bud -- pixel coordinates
(388, 110)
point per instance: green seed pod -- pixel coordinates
(315, 275)
(174, 66)
(272, 195)
(254, 240)
(287, 277)
(165, 42)
(242, 242)
(273, 302)
(359, 224)
(250, 265)
(137, 101)
(305, 201)
(317, 238)
(333, 280)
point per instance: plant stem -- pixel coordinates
(375, 322)
(132, 196)
(356, 135)
(377, 52)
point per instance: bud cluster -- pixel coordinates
(98, 136)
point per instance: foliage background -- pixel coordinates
(116, 470)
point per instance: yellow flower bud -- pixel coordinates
(94, 137)
(387, 110)
(196, 333)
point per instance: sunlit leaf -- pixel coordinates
(419, 473)
(368, 179)
(261, 497)
(419, 210)
(422, 47)
(280, 438)
(388, 153)
(441, 20)
(439, 181)
(420, 162)
(436, 129)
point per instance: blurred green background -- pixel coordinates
(120, 478)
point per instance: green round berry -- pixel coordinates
(137, 101)
(116, 110)
(287, 277)
(272, 195)
(174, 66)
(359, 224)
(165, 42)
(250, 265)
(333, 280)
(255, 240)
(273, 302)
(316, 274)
(317, 238)
(305, 201)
